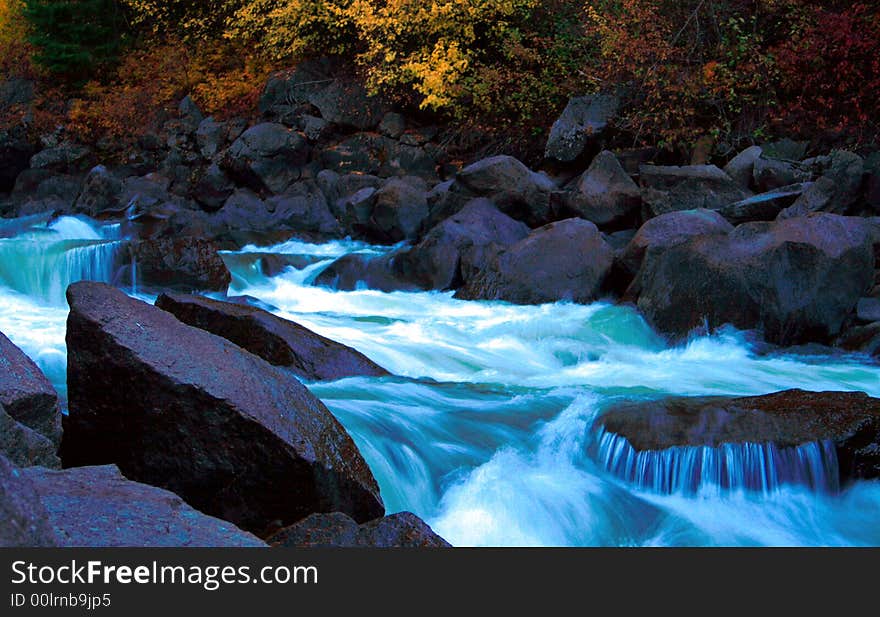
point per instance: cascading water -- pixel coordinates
(488, 431)
(689, 470)
(36, 267)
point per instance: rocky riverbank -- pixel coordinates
(771, 241)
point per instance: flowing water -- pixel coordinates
(488, 430)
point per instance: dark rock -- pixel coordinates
(345, 102)
(233, 435)
(849, 419)
(400, 207)
(267, 157)
(393, 125)
(361, 271)
(289, 89)
(741, 167)
(835, 191)
(797, 280)
(361, 153)
(568, 260)
(314, 127)
(15, 92)
(338, 187)
(301, 208)
(24, 446)
(210, 137)
(190, 115)
(862, 339)
(184, 263)
(15, 155)
(213, 189)
(669, 230)
(764, 207)
(402, 530)
(606, 195)
(64, 158)
(515, 189)
(24, 522)
(26, 394)
(770, 174)
(96, 507)
(101, 191)
(872, 181)
(671, 189)
(583, 119)
(278, 341)
(399, 159)
(868, 310)
(454, 251)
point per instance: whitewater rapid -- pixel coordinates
(487, 429)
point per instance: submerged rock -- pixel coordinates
(26, 394)
(401, 530)
(278, 341)
(797, 280)
(97, 507)
(24, 522)
(182, 409)
(794, 418)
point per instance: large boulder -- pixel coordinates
(849, 420)
(96, 507)
(582, 121)
(267, 156)
(345, 102)
(278, 341)
(455, 250)
(669, 230)
(765, 206)
(67, 157)
(179, 263)
(24, 522)
(26, 394)
(564, 261)
(24, 446)
(670, 188)
(797, 280)
(357, 271)
(401, 530)
(771, 173)
(605, 194)
(399, 209)
(515, 189)
(286, 91)
(180, 408)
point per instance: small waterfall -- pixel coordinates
(43, 262)
(762, 467)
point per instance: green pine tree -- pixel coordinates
(75, 37)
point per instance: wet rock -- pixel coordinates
(400, 206)
(582, 121)
(851, 420)
(568, 260)
(96, 507)
(454, 251)
(26, 394)
(401, 530)
(267, 156)
(24, 446)
(278, 341)
(24, 522)
(234, 436)
(185, 263)
(797, 280)
(101, 191)
(861, 339)
(669, 230)
(868, 310)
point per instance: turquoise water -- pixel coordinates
(487, 429)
